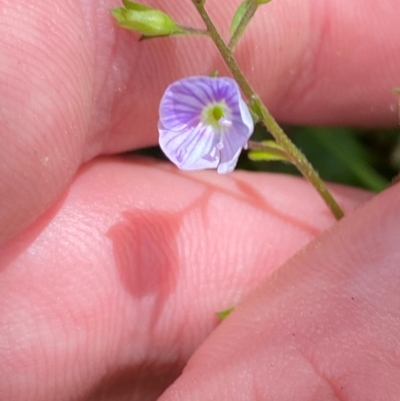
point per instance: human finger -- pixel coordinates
(321, 327)
(113, 289)
(73, 85)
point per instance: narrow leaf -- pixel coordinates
(336, 152)
(266, 151)
(261, 155)
(237, 17)
(225, 313)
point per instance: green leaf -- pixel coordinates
(225, 313)
(130, 5)
(259, 2)
(336, 153)
(260, 155)
(147, 22)
(268, 151)
(237, 17)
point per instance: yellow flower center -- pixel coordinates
(215, 115)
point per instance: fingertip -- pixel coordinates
(320, 62)
(319, 326)
(44, 107)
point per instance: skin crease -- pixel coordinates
(112, 268)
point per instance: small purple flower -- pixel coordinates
(204, 123)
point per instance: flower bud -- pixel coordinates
(146, 21)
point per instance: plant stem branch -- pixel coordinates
(193, 31)
(295, 156)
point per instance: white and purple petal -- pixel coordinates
(191, 140)
(190, 149)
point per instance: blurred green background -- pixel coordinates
(364, 158)
(367, 159)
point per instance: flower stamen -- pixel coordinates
(224, 122)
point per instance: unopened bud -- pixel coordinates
(146, 21)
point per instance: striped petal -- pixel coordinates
(204, 123)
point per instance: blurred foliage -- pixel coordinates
(364, 158)
(358, 157)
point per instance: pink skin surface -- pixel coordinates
(112, 268)
(325, 326)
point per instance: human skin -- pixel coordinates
(112, 267)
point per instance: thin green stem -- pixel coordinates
(225, 52)
(186, 30)
(294, 155)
